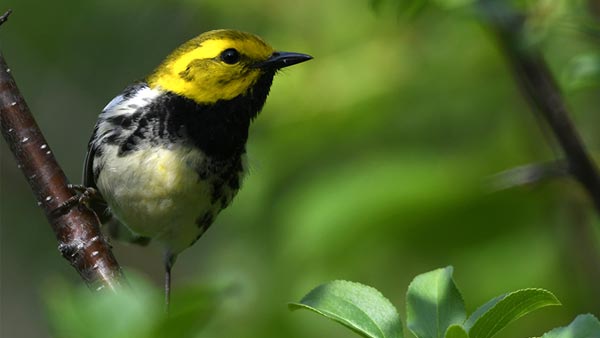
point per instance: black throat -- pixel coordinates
(220, 130)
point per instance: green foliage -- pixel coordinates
(76, 312)
(359, 307)
(372, 156)
(538, 20)
(584, 326)
(583, 71)
(456, 331)
(135, 311)
(435, 309)
(433, 303)
(412, 7)
(408, 8)
(491, 317)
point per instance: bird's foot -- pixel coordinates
(82, 195)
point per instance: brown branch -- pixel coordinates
(543, 94)
(540, 89)
(77, 228)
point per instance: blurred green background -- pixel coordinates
(368, 163)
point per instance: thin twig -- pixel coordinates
(5, 16)
(543, 94)
(528, 174)
(539, 87)
(77, 228)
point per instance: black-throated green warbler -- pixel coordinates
(168, 154)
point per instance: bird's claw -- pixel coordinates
(82, 195)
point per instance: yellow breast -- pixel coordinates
(157, 192)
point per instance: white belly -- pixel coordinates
(157, 193)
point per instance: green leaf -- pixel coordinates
(482, 310)
(191, 308)
(77, 312)
(456, 331)
(584, 326)
(433, 303)
(582, 71)
(359, 307)
(494, 315)
(134, 311)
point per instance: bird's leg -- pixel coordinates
(169, 261)
(83, 195)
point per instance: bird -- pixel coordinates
(169, 152)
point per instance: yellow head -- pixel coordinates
(219, 65)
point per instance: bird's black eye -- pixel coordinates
(230, 56)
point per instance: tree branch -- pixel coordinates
(528, 174)
(77, 228)
(5, 16)
(543, 94)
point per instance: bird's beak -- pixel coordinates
(283, 59)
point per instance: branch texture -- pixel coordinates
(539, 87)
(543, 94)
(77, 229)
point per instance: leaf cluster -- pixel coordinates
(434, 309)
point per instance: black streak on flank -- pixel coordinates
(124, 121)
(205, 220)
(234, 183)
(225, 200)
(113, 138)
(203, 172)
(196, 239)
(127, 146)
(203, 224)
(217, 192)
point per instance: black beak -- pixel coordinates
(283, 59)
